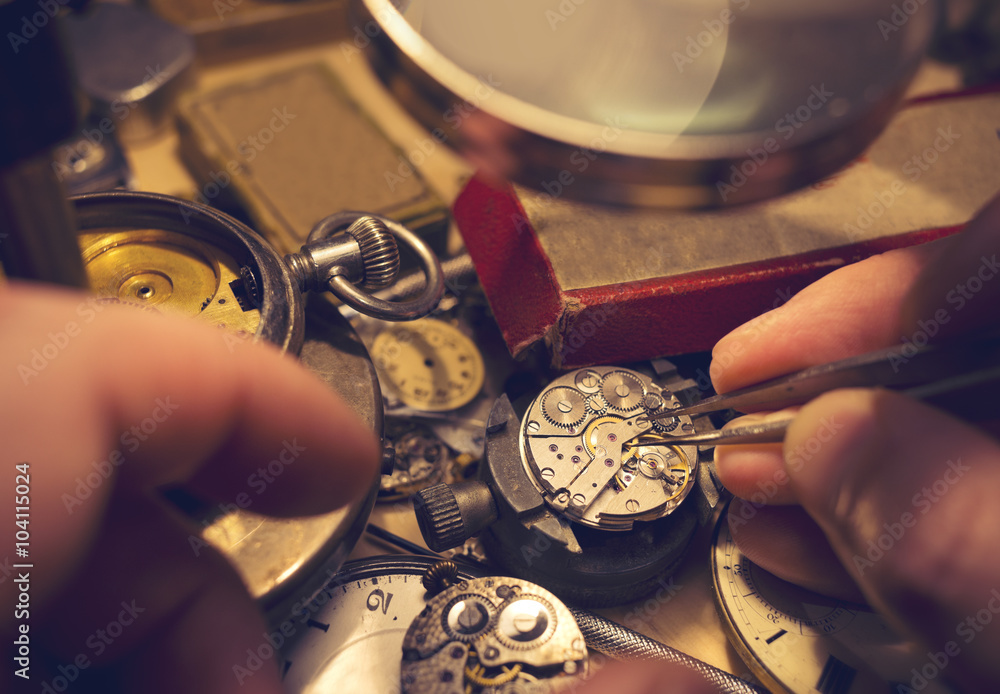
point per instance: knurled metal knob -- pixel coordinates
(366, 253)
(349, 248)
(450, 514)
(379, 253)
(439, 517)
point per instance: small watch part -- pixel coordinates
(491, 634)
(172, 272)
(87, 165)
(597, 457)
(421, 459)
(564, 407)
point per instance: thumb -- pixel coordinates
(907, 497)
(958, 292)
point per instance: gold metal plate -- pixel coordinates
(170, 272)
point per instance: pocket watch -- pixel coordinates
(177, 256)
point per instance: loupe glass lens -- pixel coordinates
(692, 81)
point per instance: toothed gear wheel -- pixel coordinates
(622, 391)
(467, 617)
(666, 425)
(651, 402)
(513, 625)
(596, 405)
(564, 407)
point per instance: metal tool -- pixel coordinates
(941, 374)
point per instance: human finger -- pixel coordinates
(151, 612)
(853, 310)
(785, 541)
(755, 471)
(130, 401)
(906, 496)
(960, 291)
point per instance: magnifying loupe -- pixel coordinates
(670, 103)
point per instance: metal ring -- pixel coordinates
(365, 302)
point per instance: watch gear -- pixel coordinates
(587, 380)
(564, 407)
(622, 391)
(525, 621)
(651, 402)
(467, 616)
(609, 527)
(596, 405)
(666, 425)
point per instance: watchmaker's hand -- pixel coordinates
(107, 404)
(904, 494)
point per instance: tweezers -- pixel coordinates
(943, 375)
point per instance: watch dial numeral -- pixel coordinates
(378, 598)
